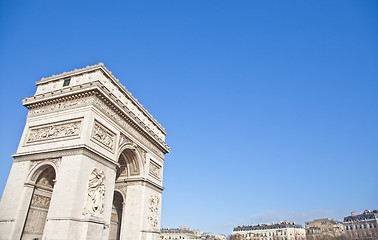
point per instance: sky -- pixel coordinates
(271, 107)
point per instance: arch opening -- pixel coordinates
(39, 203)
(116, 217)
(129, 165)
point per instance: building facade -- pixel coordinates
(179, 233)
(323, 228)
(279, 231)
(362, 226)
(89, 164)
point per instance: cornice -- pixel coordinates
(68, 151)
(96, 88)
(108, 74)
(143, 180)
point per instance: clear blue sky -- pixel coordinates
(271, 107)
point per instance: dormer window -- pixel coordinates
(66, 82)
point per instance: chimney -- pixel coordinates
(353, 214)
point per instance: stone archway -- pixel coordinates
(129, 163)
(39, 203)
(116, 217)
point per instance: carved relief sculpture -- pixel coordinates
(103, 136)
(123, 139)
(96, 193)
(41, 201)
(153, 215)
(54, 131)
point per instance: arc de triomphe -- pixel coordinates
(89, 164)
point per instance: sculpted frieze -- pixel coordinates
(100, 104)
(53, 131)
(40, 201)
(65, 103)
(103, 135)
(89, 99)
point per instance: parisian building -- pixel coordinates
(323, 228)
(362, 226)
(179, 233)
(275, 231)
(187, 233)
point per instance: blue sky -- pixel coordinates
(270, 106)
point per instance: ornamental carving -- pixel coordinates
(96, 194)
(64, 104)
(143, 154)
(153, 208)
(103, 136)
(102, 106)
(155, 170)
(40, 201)
(123, 139)
(121, 187)
(54, 131)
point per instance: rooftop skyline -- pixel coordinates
(270, 107)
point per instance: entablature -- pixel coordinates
(96, 94)
(94, 73)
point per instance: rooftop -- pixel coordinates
(259, 226)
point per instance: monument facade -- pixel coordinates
(89, 164)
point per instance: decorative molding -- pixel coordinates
(58, 153)
(91, 220)
(96, 194)
(155, 170)
(115, 116)
(67, 74)
(121, 186)
(103, 136)
(116, 83)
(62, 103)
(153, 211)
(56, 161)
(53, 131)
(123, 139)
(95, 97)
(143, 154)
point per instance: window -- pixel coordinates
(66, 82)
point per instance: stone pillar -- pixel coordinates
(68, 217)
